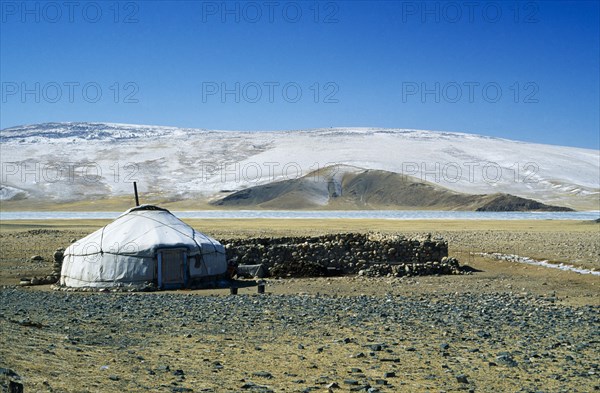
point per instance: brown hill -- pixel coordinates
(353, 188)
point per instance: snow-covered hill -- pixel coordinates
(77, 161)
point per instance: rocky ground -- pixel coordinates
(508, 327)
(299, 343)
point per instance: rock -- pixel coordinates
(462, 378)
(254, 387)
(7, 372)
(36, 258)
(59, 255)
(113, 377)
(569, 358)
(10, 380)
(506, 359)
(263, 374)
(15, 387)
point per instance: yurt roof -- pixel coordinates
(140, 231)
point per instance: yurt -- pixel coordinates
(146, 245)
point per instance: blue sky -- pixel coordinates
(526, 71)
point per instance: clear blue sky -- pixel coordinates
(526, 71)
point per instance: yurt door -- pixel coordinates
(172, 268)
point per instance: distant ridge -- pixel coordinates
(351, 188)
(83, 162)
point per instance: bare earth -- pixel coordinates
(509, 327)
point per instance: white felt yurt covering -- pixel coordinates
(146, 244)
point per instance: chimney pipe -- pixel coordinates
(137, 200)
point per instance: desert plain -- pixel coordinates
(504, 327)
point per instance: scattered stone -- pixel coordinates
(569, 358)
(524, 327)
(263, 374)
(506, 359)
(10, 381)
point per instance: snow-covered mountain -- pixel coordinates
(78, 161)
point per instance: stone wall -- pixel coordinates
(53, 277)
(350, 253)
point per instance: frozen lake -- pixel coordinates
(295, 214)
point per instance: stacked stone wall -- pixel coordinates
(350, 253)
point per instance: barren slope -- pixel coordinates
(352, 188)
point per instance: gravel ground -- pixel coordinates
(581, 249)
(506, 328)
(173, 342)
